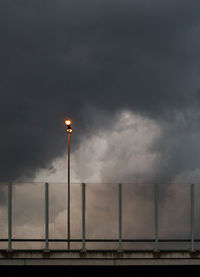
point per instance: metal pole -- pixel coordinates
(68, 227)
(10, 217)
(156, 221)
(46, 217)
(120, 217)
(192, 217)
(83, 217)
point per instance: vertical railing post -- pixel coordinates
(83, 217)
(46, 217)
(156, 216)
(192, 217)
(120, 216)
(10, 217)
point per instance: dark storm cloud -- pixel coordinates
(86, 58)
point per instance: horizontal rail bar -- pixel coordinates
(100, 240)
(103, 250)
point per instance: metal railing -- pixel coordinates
(120, 240)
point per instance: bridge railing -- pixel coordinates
(103, 216)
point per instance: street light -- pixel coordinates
(69, 130)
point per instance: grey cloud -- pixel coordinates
(87, 58)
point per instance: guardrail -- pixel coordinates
(153, 199)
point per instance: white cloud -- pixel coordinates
(122, 153)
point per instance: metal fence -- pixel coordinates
(103, 216)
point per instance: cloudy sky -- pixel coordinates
(126, 73)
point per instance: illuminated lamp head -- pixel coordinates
(68, 123)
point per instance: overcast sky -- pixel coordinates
(126, 72)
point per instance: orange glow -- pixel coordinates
(68, 122)
(69, 130)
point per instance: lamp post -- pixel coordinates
(69, 130)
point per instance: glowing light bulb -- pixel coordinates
(68, 122)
